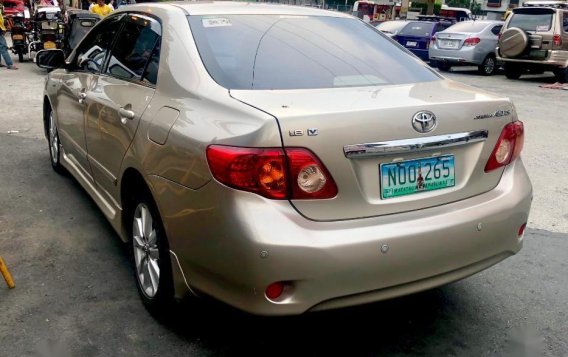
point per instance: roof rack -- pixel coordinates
(547, 3)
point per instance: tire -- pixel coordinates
(444, 66)
(20, 56)
(150, 255)
(488, 66)
(512, 71)
(54, 144)
(561, 75)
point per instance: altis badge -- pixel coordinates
(497, 114)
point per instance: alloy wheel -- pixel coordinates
(53, 141)
(146, 251)
(489, 65)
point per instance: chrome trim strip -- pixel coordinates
(416, 144)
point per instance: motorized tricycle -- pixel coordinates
(79, 23)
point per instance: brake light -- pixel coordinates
(293, 173)
(557, 40)
(472, 41)
(508, 147)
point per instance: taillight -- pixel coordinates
(508, 147)
(472, 41)
(557, 40)
(293, 173)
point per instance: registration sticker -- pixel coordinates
(542, 28)
(216, 22)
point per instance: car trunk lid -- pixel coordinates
(332, 122)
(452, 40)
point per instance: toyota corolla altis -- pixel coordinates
(283, 159)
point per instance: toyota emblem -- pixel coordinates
(424, 121)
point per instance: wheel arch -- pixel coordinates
(132, 181)
(46, 107)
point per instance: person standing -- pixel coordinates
(4, 46)
(101, 8)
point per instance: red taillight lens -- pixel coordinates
(522, 230)
(472, 41)
(557, 40)
(295, 173)
(508, 147)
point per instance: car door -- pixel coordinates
(75, 82)
(120, 96)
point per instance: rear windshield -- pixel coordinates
(467, 27)
(297, 52)
(417, 29)
(532, 21)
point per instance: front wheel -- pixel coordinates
(488, 66)
(151, 256)
(54, 145)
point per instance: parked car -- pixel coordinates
(416, 36)
(456, 13)
(391, 28)
(353, 173)
(535, 39)
(467, 43)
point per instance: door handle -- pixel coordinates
(126, 113)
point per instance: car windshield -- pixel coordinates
(417, 29)
(469, 26)
(538, 22)
(298, 52)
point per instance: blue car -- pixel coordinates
(417, 35)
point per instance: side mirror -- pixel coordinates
(50, 59)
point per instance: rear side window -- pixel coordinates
(417, 29)
(495, 30)
(534, 22)
(298, 52)
(136, 50)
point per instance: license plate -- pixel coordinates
(17, 37)
(411, 43)
(414, 176)
(49, 45)
(537, 54)
(448, 44)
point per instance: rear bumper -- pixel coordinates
(554, 59)
(465, 55)
(422, 54)
(232, 245)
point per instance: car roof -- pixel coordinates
(241, 8)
